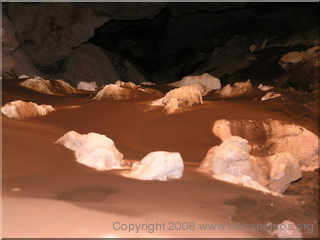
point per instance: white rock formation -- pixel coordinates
(158, 165)
(295, 57)
(20, 109)
(233, 157)
(93, 150)
(52, 87)
(231, 161)
(181, 97)
(113, 92)
(287, 230)
(270, 95)
(87, 86)
(121, 90)
(279, 137)
(264, 88)
(23, 76)
(148, 83)
(284, 169)
(238, 89)
(204, 83)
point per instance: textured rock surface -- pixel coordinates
(49, 86)
(204, 83)
(269, 137)
(158, 165)
(284, 169)
(21, 109)
(9, 44)
(87, 86)
(88, 63)
(126, 10)
(125, 69)
(233, 157)
(121, 90)
(47, 32)
(181, 97)
(270, 95)
(232, 162)
(93, 150)
(303, 68)
(18, 63)
(113, 92)
(238, 89)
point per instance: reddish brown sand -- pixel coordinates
(46, 193)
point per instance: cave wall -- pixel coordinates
(161, 42)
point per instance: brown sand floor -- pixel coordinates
(46, 193)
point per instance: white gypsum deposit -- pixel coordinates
(120, 90)
(269, 137)
(180, 97)
(205, 83)
(87, 86)
(53, 87)
(93, 150)
(237, 89)
(158, 165)
(233, 158)
(20, 109)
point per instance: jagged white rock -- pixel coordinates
(159, 165)
(180, 97)
(23, 76)
(93, 150)
(113, 92)
(20, 109)
(233, 158)
(280, 137)
(264, 88)
(148, 83)
(52, 87)
(284, 169)
(270, 95)
(204, 83)
(121, 90)
(87, 86)
(238, 89)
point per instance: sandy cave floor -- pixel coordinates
(46, 193)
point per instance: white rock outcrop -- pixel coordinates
(284, 169)
(121, 90)
(23, 76)
(181, 97)
(238, 89)
(20, 109)
(158, 165)
(93, 150)
(232, 162)
(87, 86)
(264, 87)
(296, 57)
(270, 95)
(205, 83)
(277, 137)
(113, 92)
(52, 87)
